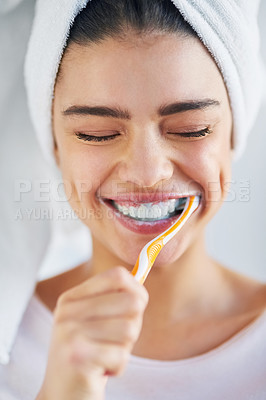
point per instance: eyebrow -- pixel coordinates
(117, 112)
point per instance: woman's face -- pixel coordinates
(140, 124)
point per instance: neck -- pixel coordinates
(178, 290)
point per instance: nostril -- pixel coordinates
(145, 173)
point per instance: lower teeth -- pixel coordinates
(156, 219)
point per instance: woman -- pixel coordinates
(142, 117)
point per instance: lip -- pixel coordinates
(141, 227)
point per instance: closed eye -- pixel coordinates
(192, 134)
(96, 138)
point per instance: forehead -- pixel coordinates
(139, 70)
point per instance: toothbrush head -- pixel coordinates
(150, 251)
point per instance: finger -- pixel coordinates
(108, 305)
(116, 279)
(114, 331)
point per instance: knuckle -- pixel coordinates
(120, 275)
(126, 331)
(130, 331)
(136, 304)
(145, 296)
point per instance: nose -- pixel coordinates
(145, 162)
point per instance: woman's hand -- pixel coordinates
(95, 327)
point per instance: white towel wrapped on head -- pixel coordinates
(229, 29)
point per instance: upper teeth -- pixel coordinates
(150, 211)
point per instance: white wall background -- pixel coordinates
(237, 234)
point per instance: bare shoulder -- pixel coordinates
(249, 294)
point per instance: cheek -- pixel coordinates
(84, 168)
(209, 164)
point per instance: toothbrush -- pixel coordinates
(151, 250)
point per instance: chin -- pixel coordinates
(170, 254)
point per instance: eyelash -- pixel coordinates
(201, 133)
(91, 138)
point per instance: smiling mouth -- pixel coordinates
(149, 212)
